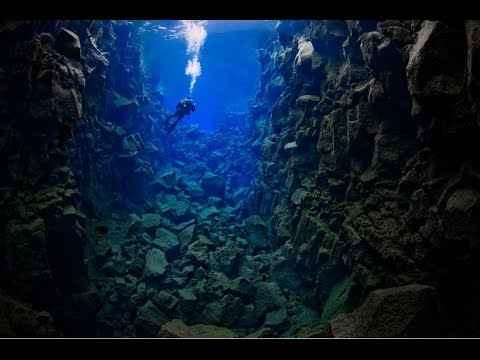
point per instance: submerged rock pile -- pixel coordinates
(192, 260)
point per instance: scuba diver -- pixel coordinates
(183, 108)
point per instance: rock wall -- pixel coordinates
(107, 149)
(60, 81)
(369, 175)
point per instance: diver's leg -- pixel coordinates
(167, 121)
(173, 115)
(175, 124)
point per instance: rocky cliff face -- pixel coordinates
(369, 177)
(59, 81)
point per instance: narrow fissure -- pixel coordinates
(319, 181)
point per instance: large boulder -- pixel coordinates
(156, 263)
(213, 184)
(406, 311)
(178, 329)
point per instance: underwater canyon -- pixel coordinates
(343, 202)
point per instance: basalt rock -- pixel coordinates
(367, 162)
(407, 311)
(178, 329)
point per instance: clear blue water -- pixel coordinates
(229, 64)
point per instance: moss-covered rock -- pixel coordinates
(156, 263)
(178, 329)
(264, 332)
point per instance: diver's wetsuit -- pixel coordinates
(183, 108)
